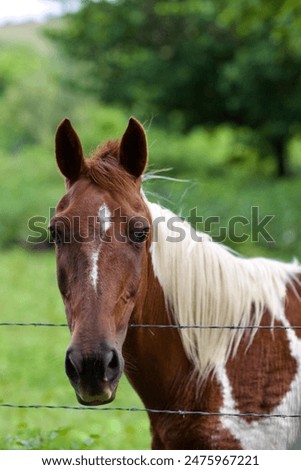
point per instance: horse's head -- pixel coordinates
(101, 230)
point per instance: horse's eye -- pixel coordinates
(55, 235)
(139, 235)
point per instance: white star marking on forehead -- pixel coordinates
(104, 215)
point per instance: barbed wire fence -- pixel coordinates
(151, 410)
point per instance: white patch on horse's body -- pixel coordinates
(104, 215)
(267, 432)
(94, 267)
(204, 283)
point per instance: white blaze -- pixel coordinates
(94, 267)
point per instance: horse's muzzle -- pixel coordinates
(94, 377)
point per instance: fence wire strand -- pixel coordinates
(179, 327)
(151, 410)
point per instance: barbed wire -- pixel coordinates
(7, 323)
(151, 410)
(133, 325)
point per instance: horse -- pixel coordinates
(223, 370)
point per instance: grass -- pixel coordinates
(32, 370)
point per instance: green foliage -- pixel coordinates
(195, 63)
(33, 98)
(21, 178)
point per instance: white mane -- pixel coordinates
(204, 283)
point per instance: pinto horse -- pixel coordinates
(124, 261)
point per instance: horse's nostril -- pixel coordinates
(110, 364)
(73, 365)
(113, 366)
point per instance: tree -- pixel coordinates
(198, 62)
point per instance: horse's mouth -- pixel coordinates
(103, 398)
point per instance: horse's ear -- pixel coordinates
(68, 151)
(133, 149)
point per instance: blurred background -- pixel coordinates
(217, 85)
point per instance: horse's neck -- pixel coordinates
(155, 358)
(164, 378)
